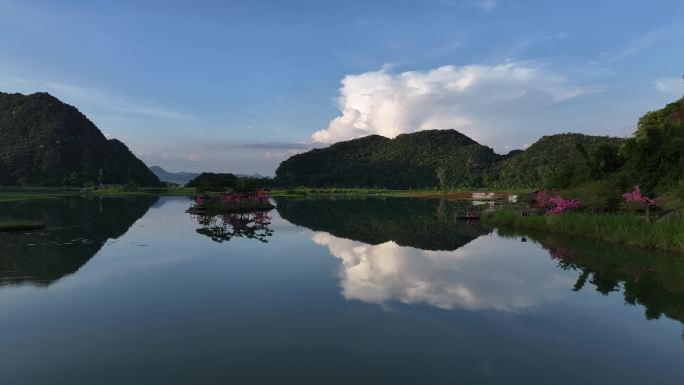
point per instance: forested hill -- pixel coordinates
(44, 142)
(654, 156)
(408, 161)
(542, 163)
(435, 158)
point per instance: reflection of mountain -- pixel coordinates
(427, 224)
(652, 279)
(485, 274)
(77, 229)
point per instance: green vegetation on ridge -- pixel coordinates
(444, 159)
(408, 161)
(44, 142)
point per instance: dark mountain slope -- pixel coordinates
(44, 142)
(408, 161)
(655, 155)
(539, 162)
(426, 159)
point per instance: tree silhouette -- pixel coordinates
(223, 228)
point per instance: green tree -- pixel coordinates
(441, 177)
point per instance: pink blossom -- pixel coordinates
(636, 197)
(555, 204)
(563, 205)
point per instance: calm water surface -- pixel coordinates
(349, 291)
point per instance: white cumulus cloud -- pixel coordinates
(484, 102)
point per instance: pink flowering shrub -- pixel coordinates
(235, 200)
(563, 205)
(635, 196)
(554, 204)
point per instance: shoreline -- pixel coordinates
(12, 193)
(625, 229)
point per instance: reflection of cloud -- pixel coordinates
(484, 274)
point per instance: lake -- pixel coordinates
(326, 291)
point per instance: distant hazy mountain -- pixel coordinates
(186, 177)
(173, 177)
(44, 142)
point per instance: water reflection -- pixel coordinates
(224, 227)
(76, 231)
(480, 275)
(427, 224)
(180, 312)
(412, 251)
(651, 279)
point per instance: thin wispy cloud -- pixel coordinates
(108, 101)
(643, 42)
(276, 145)
(100, 102)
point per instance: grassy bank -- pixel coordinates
(13, 225)
(8, 194)
(427, 193)
(619, 228)
(30, 193)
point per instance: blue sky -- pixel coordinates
(240, 85)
